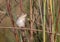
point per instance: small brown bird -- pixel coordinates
(21, 20)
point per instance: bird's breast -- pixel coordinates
(20, 23)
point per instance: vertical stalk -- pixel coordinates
(39, 1)
(31, 20)
(51, 7)
(57, 23)
(21, 6)
(56, 18)
(11, 17)
(58, 15)
(44, 40)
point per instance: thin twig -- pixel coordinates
(58, 34)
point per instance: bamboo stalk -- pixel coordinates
(44, 38)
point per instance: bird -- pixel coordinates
(21, 20)
(21, 24)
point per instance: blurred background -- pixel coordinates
(42, 21)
